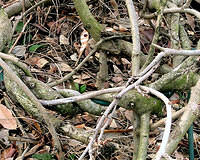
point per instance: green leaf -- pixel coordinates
(44, 156)
(34, 47)
(76, 85)
(82, 88)
(19, 27)
(71, 157)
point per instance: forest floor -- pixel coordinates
(51, 46)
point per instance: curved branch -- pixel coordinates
(168, 122)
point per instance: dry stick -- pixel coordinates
(112, 105)
(32, 97)
(166, 52)
(23, 10)
(66, 77)
(151, 52)
(141, 145)
(187, 4)
(100, 92)
(169, 51)
(168, 122)
(81, 97)
(107, 123)
(33, 7)
(28, 11)
(135, 62)
(175, 10)
(23, 139)
(135, 59)
(17, 62)
(162, 121)
(23, 29)
(115, 101)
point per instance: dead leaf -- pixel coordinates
(109, 29)
(115, 6)
(113, 124)
(190, 20)
(74, 57)
(32, 60)
(4, 133)
(63, 40)
(125, 61)
(116, 61)
(116, 69)
(78, 79)
(52, 69)
(122, 28)
(175, 99)
(64, 67)
(19, 51)
(42, 62)
(6, 118)
(84, 43)
(85, 76)
(8, 153)
(129, 115)
(190, 33)
(117, 79)
(88, 118)
(34, 148)
(38, 61)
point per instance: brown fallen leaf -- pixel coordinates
(6, 118)
(8, 153)
(64, 67)
(42, 62)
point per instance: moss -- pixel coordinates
(89, 22)
(137, 102)
(43, 91)
(5, 29)
(183, 82)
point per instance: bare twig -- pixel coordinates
(166, 52)
(155, 37)
(21, 33)
(135, 37)
(107, 123)
(17, 62)
(23, 10)
(187, 4)
(169, 51)
(81, 97)
(26, 3)
(66, 77)
(190, 114)
(176, 10)
(112, 105)
(162, 121)
(168, 122)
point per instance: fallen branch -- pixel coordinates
(113, 105)
(175, 10)
(168, 121)
(11, 75)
